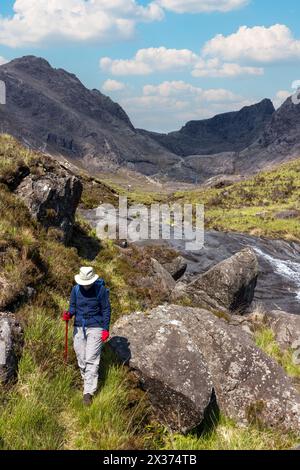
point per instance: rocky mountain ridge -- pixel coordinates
(51, 110)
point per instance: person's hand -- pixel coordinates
(105, 335)
(66, 316)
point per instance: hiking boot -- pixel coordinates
(87, 399)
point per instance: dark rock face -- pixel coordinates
(11, 339)
(187, 352)
(177, 267)
(52, 198)
(228, 287)
(279, 141)
(229, 132)
(50, 109)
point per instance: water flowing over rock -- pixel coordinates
(278, 284)
(184, 353)
(228, 287)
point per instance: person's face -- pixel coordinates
(87, 287)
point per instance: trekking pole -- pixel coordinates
(66, 342)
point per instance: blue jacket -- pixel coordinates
(91, 307)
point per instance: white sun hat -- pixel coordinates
(86, 276)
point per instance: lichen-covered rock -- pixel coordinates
(11, 338)
(185, 350)
(52, 198)
(170, 366)
(176, 267)
(227, 287)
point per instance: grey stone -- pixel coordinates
(285, 326)
(288, 214)
(11, 340)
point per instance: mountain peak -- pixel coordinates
(29, 61)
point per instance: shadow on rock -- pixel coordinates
(87, 247)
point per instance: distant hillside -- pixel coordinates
(229, 132)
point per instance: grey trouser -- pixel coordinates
(88, 351)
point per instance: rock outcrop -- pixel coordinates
(181, 354)
(227, 287)
(11, 339)
(52, 197)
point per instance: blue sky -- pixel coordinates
(164, 61)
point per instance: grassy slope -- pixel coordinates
(43, 409)
(251, 206)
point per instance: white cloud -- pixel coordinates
(257, 44)
(184, 90)
(167, 106)
(199, 6)
(160, 59)
(280, 97)
(215, 68)
(113, 85)
(150, 60)
(76, 20)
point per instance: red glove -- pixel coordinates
(66, 316)
(105, 335)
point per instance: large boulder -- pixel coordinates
(11, 338)
(227, 287)
(176, 267)
(183, 353)
(52, 196)
(169, 364)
